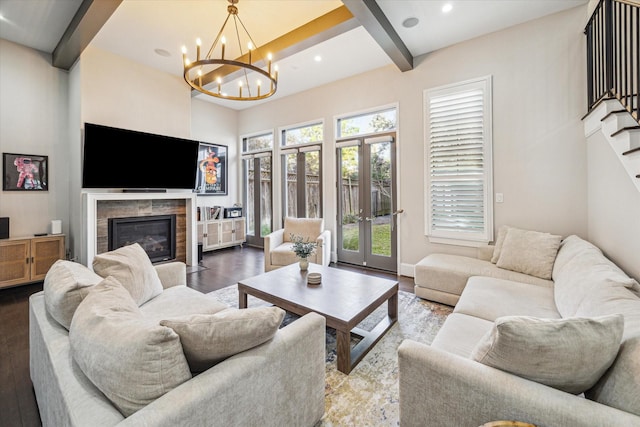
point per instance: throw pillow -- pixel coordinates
(65, 286)
(567, 354)
(131, 266)
(529, 252)
(502, 232)
(210, 338)
(131, 359)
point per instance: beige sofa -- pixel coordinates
(278, 247)
(450, 382)
(279, 382)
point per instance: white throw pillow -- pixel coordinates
(129, 358)
(131, 266)
(210, 338)
(502, 233)
(65, 286)
(529, 252)
(567, 354)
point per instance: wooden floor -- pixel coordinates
(17, 401)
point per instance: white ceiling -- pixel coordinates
(139, 27)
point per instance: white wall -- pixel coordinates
(538, 71)
(614, 207)
(218, 125)
(33, 120)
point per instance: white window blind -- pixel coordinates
(458, 169)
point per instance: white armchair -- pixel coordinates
(278, 250)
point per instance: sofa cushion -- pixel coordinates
(619, 387)
(210, 338)
(284, 255)
(460, 334)
(580, 277)
(65, 286)
(132, 360)
(489, 298)
(529, 252)
(180, 301)
(567, 354)
(450, 273)
(131, 266)
(502, 233)
(307, 228)
(569, 248)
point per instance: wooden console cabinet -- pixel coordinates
(221, 233)
(27, 259)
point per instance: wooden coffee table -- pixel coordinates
(344, 298)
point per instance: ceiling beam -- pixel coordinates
(321, 29)
(378, 26)
(88, 20)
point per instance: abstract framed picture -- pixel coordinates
(211, 177)
(25, 172)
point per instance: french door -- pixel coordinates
(258, 197)
(302, 178)
(367, 213)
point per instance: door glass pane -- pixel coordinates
(249, 211)
(291, 184)
(349, 193)
(381, 206)
(265, 196)
(312, 183)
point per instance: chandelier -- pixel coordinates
(207, 74)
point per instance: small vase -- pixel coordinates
(304, 264)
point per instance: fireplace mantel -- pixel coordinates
(90, 220)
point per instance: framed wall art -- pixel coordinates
(211, 178)
(25, 172)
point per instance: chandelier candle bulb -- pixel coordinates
(198, 43)
(219, 81)
(240, 87)
(249, 46)
(223, 40)
(259, 83)
(269, 58)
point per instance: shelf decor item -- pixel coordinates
(303, 250)
(211, 178)
(25, 172)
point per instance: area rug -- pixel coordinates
(368, 396)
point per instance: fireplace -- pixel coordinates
(156, 234)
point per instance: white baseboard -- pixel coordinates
(406, 270)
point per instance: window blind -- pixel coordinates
(457, 164)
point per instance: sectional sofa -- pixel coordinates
(552, 341)
(105, 351)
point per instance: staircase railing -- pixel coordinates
(613, 54)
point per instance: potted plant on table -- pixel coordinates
(303, 249)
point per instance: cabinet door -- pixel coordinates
(14, 262)
(227, 231)
(200, 232)
(213, 235)
(239, 230)
(44, 252)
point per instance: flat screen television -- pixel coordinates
(120, 158)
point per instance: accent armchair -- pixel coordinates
(278, 247)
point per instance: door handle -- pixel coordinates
(396, 213)
(367, 218)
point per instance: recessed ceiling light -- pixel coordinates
(410, 22)
(447, 8)
(162, 52)
(317, 58)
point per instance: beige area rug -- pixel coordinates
(368, 396)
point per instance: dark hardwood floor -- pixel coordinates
(17, 401)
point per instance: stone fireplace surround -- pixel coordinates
(99, 207)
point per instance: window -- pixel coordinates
(368, 123)
(458, 165)
(302, 171)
